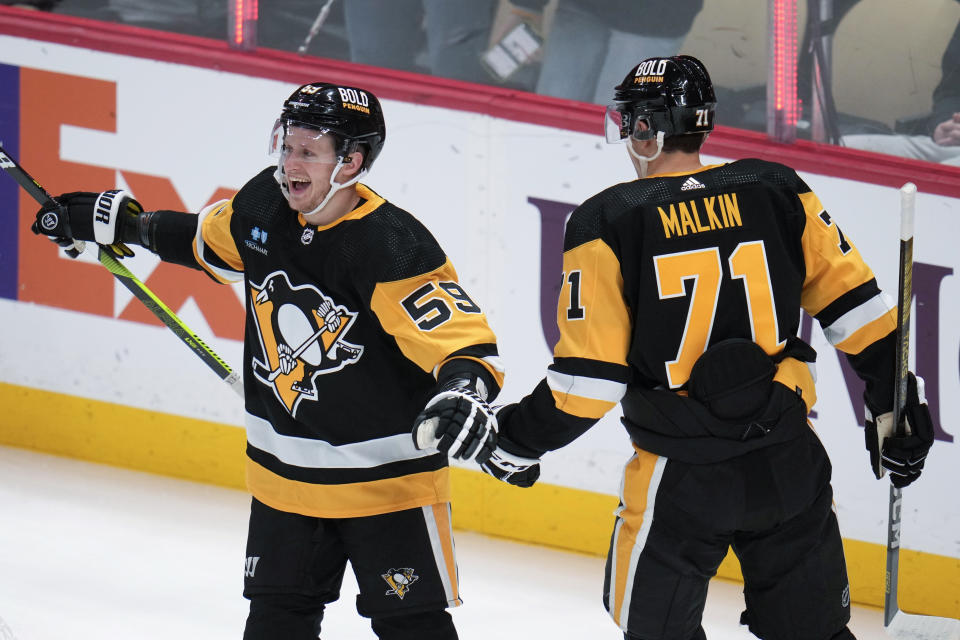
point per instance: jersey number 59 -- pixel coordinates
(430, 311)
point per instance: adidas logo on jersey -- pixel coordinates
(692, 183)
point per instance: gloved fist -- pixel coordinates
(901, 454)
(84, 215)
(457, 421)
(331, 321)
(511, 468)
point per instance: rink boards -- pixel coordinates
(87, 372)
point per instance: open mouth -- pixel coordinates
(299, 185)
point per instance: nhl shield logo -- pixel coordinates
(307, 236)
(399, 581)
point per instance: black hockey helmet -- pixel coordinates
(350, 114)
(673, 95)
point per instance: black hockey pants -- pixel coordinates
(773, 506)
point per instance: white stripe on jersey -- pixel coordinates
(495, 362)
(855, 319)
(585, 387)
(225, 274)
(319, 454)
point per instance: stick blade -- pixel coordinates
(908, 626)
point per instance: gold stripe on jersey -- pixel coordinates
(795, 374)
(447, 323)
(592, 314)
(863, 325)
(830, 272)
(351, 500)
(213, 233)
(641, 479)
(869, 333)
(685, 172)
(584, 396)
(372, 201)
(580, 406)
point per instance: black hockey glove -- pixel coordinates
(457, 421)
(508, 465)
(902, 455)
(84, 215)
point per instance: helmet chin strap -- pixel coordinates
(644, 160)
(281, 177)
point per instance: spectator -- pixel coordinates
(940, 141)
(392, 35)
(590, 39)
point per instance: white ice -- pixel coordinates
(95, 552)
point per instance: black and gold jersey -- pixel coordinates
(657, 270)
(347, 326)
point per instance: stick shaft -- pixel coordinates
(131, 282)
(904, 298)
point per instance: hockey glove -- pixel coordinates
(84, 215)
(902, 455)
(505, 465)
(457, 421)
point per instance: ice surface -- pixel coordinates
(92, 552)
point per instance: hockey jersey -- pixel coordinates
(659, 269)
(346, 327)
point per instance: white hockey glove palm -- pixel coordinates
(902, 455)
(457, 421)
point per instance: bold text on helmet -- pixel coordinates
(354, 97)
(652, 67)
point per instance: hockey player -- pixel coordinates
(354, 320)
(685, 308)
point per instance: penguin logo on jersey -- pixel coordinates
(399, 581)
(302, 334)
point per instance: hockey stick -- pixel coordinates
(299, 351)
(131, 282)
(315, 27)
(900, 625)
